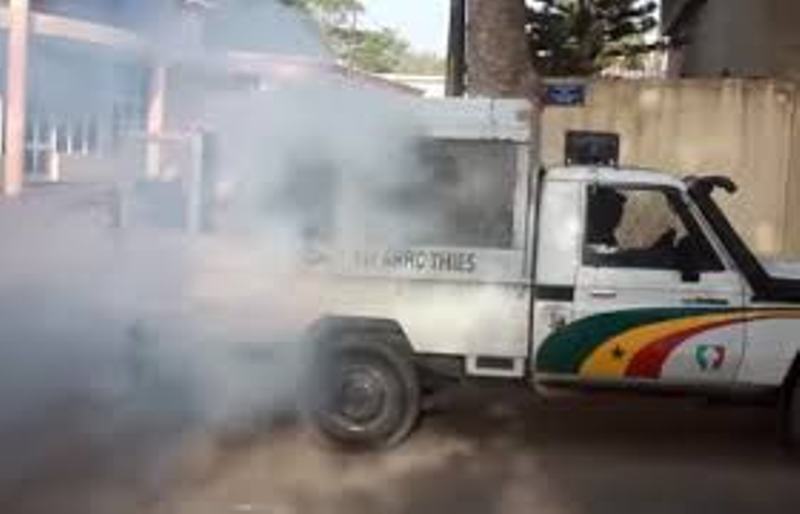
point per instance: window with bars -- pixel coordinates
(45, 136)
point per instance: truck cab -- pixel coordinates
(651, 287)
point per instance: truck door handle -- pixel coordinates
(705, 300)
(606, 294)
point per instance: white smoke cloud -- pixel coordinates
(129, 342)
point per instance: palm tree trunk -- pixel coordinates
(499, 63)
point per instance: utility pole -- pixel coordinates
(456, 49)
(16, 88)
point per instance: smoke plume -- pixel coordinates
(121, 346)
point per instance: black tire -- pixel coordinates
(365, 394)
(790, 415)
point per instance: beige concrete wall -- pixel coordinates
(745, 129)
(792, 232)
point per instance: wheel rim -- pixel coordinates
(358, 397)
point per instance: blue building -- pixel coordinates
(101, 69)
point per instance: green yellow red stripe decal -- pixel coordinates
(612, 357)
(564, 351)
(648, 362)
(635, 343)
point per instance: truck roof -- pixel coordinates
(622, 175)
(482, 119)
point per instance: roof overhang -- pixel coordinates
(252, 63)
(60, 27)
(482, 119)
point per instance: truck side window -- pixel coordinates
(473, 192)
(642, 228)
(304, 200)
(456, 194)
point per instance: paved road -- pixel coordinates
(487, 453)
(491, 453)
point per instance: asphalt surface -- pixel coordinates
(494, 452)
(481, 452)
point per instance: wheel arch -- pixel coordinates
(327, 330)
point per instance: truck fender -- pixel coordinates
(326, 331)
(433, 371)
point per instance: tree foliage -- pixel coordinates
(333, 12)
(378, 50)
(582, 37)
(421, 63)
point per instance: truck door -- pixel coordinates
(653, 299)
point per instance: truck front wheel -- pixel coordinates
(365, 394)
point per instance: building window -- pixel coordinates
(45, 135)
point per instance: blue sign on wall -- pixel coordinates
(565, 95)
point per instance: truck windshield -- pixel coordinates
(766, 288)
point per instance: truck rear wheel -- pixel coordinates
(366, 393)
(790, 415)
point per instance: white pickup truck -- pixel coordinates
(580, 276)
